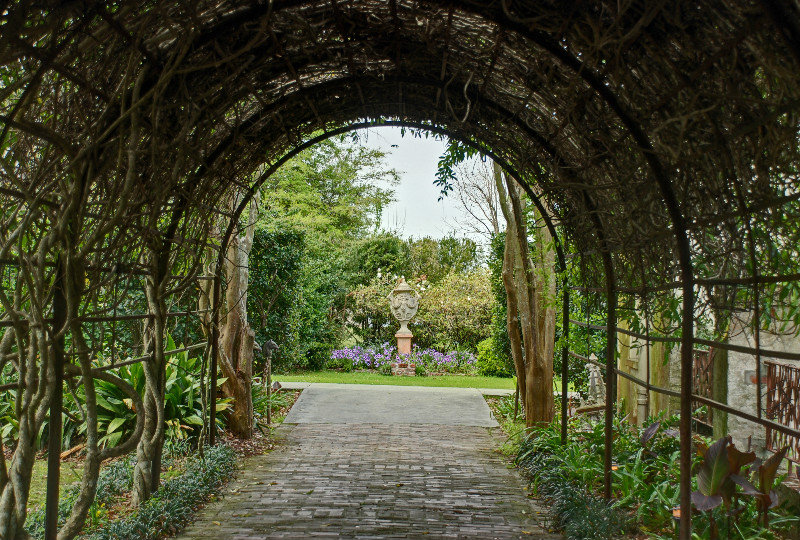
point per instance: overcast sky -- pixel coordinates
(417, 211)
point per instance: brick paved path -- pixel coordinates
(375, 481)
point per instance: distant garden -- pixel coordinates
(321, 271)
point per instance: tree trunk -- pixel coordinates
(533, 297)
(237, 339)
(539, 377)
(719, 366)
(544, 311)
(512, 317)
(512, 304)
(719, 391)
(147, 472)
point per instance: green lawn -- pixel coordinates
(457, 381)
(71, 472)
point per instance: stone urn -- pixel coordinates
(404, 303)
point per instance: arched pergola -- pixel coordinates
(659, 139)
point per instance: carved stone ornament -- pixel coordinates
(404, 303)
(597, 385)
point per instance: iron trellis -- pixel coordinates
(649, 136)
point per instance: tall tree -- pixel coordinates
(237, 338)
(335, 191)
(529, 279)
(478, 197)
(333, 195)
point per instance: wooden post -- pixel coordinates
(57, 403)
(564, 359)
(268, 370)
(212, 380)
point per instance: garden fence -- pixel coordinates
(783, 406)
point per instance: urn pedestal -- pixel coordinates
(404, 303)
(404, 342)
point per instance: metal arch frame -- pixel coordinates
(643, 143)
(669, 196)
(536, 138)
(599, 229)
(668, 192)
(354, 126)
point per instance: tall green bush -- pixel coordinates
(499, 347)
(490, 364)
(384, 252)
(276, 267)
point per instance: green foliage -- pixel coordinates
(498, 355)
(115, 415)
(317, 246)
(322, 205)
(454, 314)
(369, 317)
(723, 477)
(385, 369)
(490, 363)
(435, 259)
(426, 257)
(182, 401)
(331, 191)
(384, 252)
(34, 523)
(583, 341)
(277, 259)
(645, 482)
(324, 292)
(340, 364)
(173, 504)
(495, 263)
(560, 475)
(455, 153)
(277, 401)
(115, 480)
(9, 425)
(370, 377)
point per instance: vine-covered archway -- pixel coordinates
(662, 140)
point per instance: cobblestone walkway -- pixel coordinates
(375, 481)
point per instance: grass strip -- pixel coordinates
(365, 377)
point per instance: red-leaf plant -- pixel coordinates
(721, 471)
(764, 474)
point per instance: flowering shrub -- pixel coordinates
(364, 357)
(435, 361)
(376, 357)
